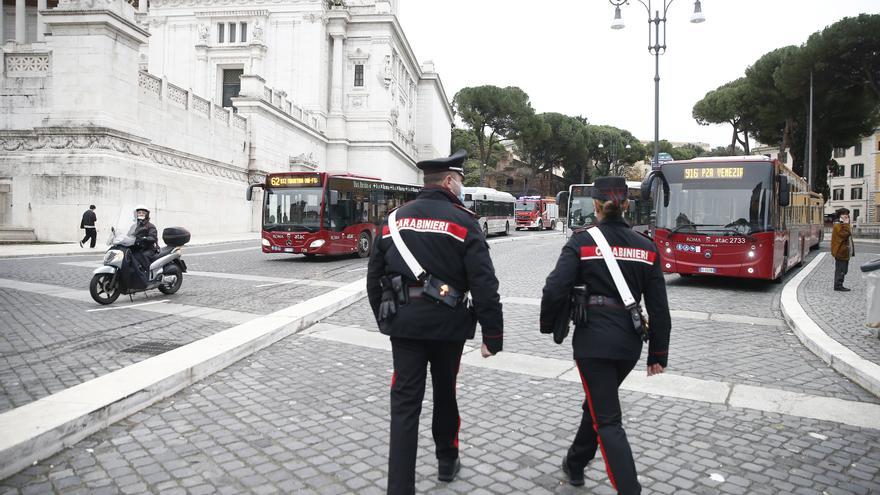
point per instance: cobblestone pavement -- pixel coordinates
(842, 314)
(49, 344)
(311, 416)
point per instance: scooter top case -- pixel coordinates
(175, 236)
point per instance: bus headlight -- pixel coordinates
(266, 242)
(753, 247)
(751, 254)
(316, 243)
(668, 251)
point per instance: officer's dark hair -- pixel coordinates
(91, 207)
(611, 209)
(436, 178)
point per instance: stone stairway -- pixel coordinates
(17, 234)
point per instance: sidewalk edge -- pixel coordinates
(840, 357)
(38, 430)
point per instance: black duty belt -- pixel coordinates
(605, 302)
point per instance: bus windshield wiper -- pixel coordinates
(689, 225)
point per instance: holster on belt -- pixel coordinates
(640, 323)
(393, 291)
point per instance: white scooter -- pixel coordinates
(120, 275)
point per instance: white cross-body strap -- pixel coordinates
(404, 251)
(613, 267)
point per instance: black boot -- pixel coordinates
(842, 289)
(575, 475)
(448, 470)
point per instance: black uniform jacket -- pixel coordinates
(89, 218)
(446, 240)
(609, 332)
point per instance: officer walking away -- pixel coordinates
(88, 223)
(842, 248)
(606, 341)
(422, 304)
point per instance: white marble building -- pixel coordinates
(854, 184)
(180, 103)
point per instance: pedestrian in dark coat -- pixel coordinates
(88, 223)
(446, 241)
(607, 346)
(842, 248)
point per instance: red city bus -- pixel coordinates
(743, 216)
(313, 213)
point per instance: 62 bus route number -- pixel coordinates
(729, 240)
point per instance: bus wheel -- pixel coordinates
(507, 228)
(540, 225)
(485, 230)
(365, 244)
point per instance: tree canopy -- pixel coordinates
(772, 102)
(492, 113)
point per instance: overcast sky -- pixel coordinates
(564, 54)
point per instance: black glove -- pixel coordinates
(138, 242)
(388, 304)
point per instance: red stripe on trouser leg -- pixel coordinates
(596, 427)
(455, 394)
(393, 378)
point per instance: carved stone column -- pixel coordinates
(200, 85)
(41, 23)
(336, 79)
(20, 14)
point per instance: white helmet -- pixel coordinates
(141, 207)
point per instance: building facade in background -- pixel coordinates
(179, 104)
(853, 184)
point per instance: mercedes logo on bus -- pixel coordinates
(707, 254)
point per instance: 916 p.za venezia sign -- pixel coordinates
(713, 173)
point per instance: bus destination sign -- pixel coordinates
(713, 173)
(295, 181)
(384, 186)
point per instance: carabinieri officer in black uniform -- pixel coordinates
(429, 315)
(607, 346)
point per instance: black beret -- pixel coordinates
(610, 189)
(454, 162)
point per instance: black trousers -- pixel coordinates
(841, 267)
(90, 234)
(411, 357)
(601, 423)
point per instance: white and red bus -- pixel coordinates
(744, 216)
(313, 213)
(536, 212)
(495, 208)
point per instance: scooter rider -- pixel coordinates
(145, 235)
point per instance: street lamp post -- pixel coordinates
(613, 154)
(656, 47)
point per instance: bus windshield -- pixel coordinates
(717, 199)
(581, 211)
(292, 210)
(526, 205)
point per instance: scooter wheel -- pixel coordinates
(171, 289)
(101, 290)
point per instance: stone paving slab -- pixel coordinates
(309, 416)
(49, 344)
(841, 314)
(750, 354)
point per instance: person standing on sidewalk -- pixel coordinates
(842, 248)
(606, 344)
(88, 223)
(431, 254)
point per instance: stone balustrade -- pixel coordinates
(157, 87)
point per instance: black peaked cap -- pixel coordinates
(454, 162)
(610, 189)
